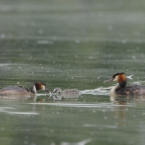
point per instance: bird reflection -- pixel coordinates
(58, 94)
(128, 98)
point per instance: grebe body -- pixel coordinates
(122, 89)
(57, 93)
(128, 90)
(20, 90)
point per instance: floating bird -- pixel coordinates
(20, 90)
(57, 93)
(122, 89)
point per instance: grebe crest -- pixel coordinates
(120, 78)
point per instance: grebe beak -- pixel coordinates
(110, 80)
(47, 90)
(54, 91)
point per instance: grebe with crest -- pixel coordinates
(122, 89)
(20, 90)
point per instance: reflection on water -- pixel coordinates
(23, 113)
(134, 98)
(86, 141)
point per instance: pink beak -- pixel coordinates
(110, 80)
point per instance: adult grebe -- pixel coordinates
(20, 90)
(122, 89)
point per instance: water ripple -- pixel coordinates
(97, 91)
(24, 113)
(100, 126)
(100, 105)
(83, 142)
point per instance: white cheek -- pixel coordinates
(43, 87)
(116, 78)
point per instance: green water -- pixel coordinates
(72, 44)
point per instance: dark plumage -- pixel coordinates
(131, 90)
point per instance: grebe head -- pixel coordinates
(119, 77)
(57, 90)
(39, 86)
(57, 94)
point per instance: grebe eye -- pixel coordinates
(114, 77)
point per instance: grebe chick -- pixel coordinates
(122, 89)
(57, 93)
(20, 90)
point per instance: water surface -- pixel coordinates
(76, 44)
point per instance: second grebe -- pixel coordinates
(122, 89)
(20, 90)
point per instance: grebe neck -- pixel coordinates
(33, 89)
(121, 85)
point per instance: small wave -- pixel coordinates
(100, 126)
(24, 113)
(6, 64)
(130, 77)
(71, 105)
(44, 94)
(137, 83)
(83, 142)
(44, 42)
(5, 109)
(100, 105)
(98, 91)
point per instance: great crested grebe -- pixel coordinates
(57, 93)
(122, 89)
(20, 90)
